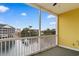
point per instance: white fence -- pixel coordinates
(26, 45)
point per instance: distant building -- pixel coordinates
(6, 31)
(18, 32)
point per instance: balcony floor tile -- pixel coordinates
(58, 51)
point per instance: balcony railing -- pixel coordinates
(26, 45)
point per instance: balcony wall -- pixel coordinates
(69, 29)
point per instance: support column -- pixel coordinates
(39, 39)
(40, 23)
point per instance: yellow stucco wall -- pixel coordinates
(69, 29)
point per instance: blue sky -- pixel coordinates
(20, 15)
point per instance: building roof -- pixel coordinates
(5, 26)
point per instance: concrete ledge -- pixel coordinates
(69, 48)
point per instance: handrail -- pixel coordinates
(27, 46)
(21, 38)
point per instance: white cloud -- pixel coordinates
(52, 23)
(3, 9)
(23, 14)
(51, 16)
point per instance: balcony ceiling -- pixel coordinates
(57, 9)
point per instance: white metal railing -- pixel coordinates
(25, 45)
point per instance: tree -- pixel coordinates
(49, 32)
(54, 31)
(26, 32)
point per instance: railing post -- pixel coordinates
(1, 48)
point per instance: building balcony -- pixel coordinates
(64, 43)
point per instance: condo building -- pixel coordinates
(6, 31)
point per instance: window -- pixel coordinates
(48, 23)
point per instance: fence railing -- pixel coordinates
(26, 45)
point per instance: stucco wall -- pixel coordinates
(69, 29)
